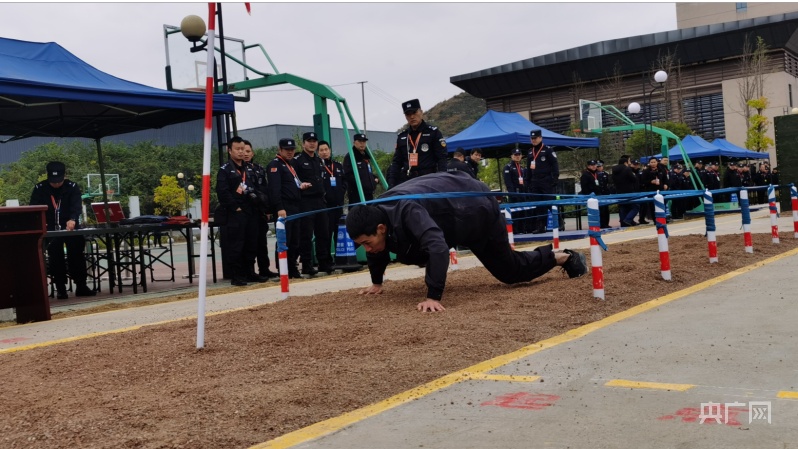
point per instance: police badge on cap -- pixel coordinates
(309, 136)
(411, 106)
(287, 144)
(535, 133)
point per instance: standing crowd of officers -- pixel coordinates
(628, 177)
(251, 196)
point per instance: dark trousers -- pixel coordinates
(77, 262)
(333, 217)
(604, 216)
(262, 250)
(540, 190)
(314, 225)
(503, 262)
(521, 222)
(628, 212)
(240, 239)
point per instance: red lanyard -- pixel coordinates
(534, 154)
(414, 144)
(291, 169)
(243, 175)
(518, 168)
(57, 205)
(328, 170)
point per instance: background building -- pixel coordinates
(703, 88)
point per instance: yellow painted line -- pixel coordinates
(502, 377)
(788, 394)
(331, 425)
(647, 385)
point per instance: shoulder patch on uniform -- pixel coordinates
(443, 143)
(553, 154)
(433, 127)
(274, 169)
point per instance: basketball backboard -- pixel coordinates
(186, 71)
(590, 115)
(95, 187)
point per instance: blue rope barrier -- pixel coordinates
(745, 209)
(772, 205)
(660, 213)
(281, 237)
(594, 221)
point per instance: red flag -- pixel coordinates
(249, 11)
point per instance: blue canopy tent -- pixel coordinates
(47, 91)
(698, 148)
(496, 133)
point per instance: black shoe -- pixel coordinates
(252, 277)
(326, 269)
(61, 294)
(84, 290)
(238, 283)
(270, 274)
(627, 224)
(576, 265)
(644, 221)
(309, 271)
(294, 274)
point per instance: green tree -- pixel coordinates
(756, 139)
(636, 143)
(170, 198)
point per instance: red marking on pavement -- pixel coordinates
(14, 340)
(523, 400)
(692, 414)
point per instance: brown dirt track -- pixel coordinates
(276, 368)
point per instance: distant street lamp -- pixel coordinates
(634, 108)
(188, 189)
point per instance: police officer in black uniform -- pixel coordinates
(285, 195)
(514, 178)
(361, 168)
(474, 159)
(420, 149)
(603, 189)
(62, 198)
(422, 231)
(542, 173)
(334, 189)
(458, 163)
(235, 189)
(262, 213)
(310, 169)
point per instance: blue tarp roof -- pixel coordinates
(47, 91)
(698, 148)
(508, 129)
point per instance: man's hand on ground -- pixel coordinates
(375, 289)
(430, 305)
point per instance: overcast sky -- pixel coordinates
(402, 50)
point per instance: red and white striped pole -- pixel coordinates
(794, 198)
(453, 259)
(709, 219)
(662, 238)
(596, 261)
(774, 215)
(509, 219)
(282, 257)
(745, 211)
(555, 232)
(210, 88)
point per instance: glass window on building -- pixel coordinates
(704, 115)
(742, 7)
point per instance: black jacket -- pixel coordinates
(422, 231)
(310, 169)
(229, 187)
(334, 194)
(547, 169)
(427, 141)
(363, 169)
(512, 171)
(284, 193)
(589, 182)
(624, 179)
(458, 165)
(66, 199)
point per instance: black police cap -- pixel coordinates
(287, 144)
(361, 137)
(535, 133)
(411, 106)
(55, 171)
(309, 136)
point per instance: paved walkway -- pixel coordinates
(646, 377)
